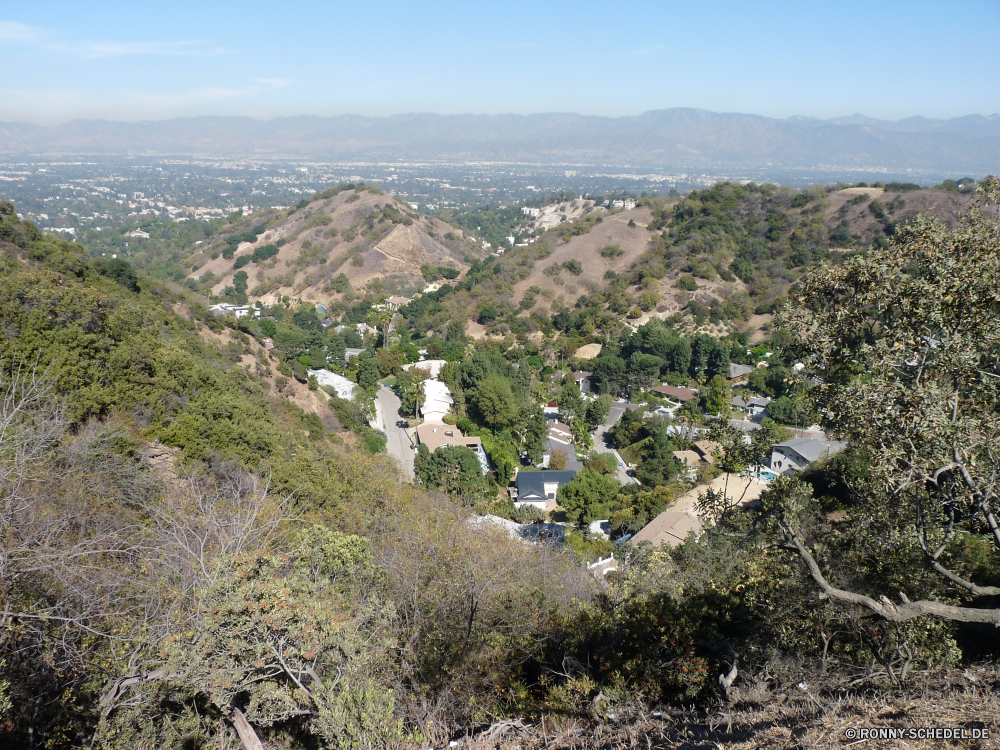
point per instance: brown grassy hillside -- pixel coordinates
(363, 234)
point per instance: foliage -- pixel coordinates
(588, 496)
(453, 469)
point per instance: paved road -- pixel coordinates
(602, 442)
(398, 442)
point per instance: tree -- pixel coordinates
(570, 402)
(487, 315)
(588, 496)
(455, 331)
(905, 340)
(495, 401)
(410, 387)
(633, 512)
(336, 353)
(453, 469)
(612, 373)
(781, 410)
(719, 398)
(306, 318)
(557, 459)
(368, 371)
(353, 339)
(240, 282)
(280, 642)
(597, 411)
(642, 370)
(717, 362)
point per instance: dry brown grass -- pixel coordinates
(787, 721)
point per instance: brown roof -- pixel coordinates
(581, 374)
(434, 435)
(670, 527)
(690, 458)
(672, 391)
(708, 449)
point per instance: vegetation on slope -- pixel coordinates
(259, 575)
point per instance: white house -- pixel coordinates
(437, 401)
(345, 388)
(223, 309)
(797, 453)
(538, 488)
(532, 212)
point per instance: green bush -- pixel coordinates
(687, 283)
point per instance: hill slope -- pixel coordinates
(353, 236)
(722, 257)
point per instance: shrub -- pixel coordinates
(573, 266)
(375, 442)
(611, 251)
(687, 283)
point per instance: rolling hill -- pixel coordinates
(345, 240)
(717, 260)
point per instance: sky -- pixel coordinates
(144, 61)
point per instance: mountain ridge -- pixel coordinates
(682, 137)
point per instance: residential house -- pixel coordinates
(675, 392)
(751, 406)
(690, 459)
(433, 366)
(351, 351)
(345, 388)
(395, 303)
(628, 204)
(670, 528)
(224, 309)
(539, 488)
(532, 212)
(437, 401)
(795, 454)
(708, 450)
(585, 380)
(434, 435)
(738, 372)
(560, 432)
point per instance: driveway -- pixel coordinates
(398, 442)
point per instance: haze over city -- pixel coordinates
(132, 61)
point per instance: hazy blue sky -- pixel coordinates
(137, 60)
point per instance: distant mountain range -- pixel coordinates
(682, 138)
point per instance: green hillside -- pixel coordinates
(197, 545)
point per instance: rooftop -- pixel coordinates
(670, 527)
(673, 391)
(812, 449)
(435, 435)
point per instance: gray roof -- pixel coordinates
(811, 449)
(738, 371)
(352, 352)
(531, 483)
